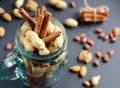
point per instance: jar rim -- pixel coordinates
(37, 57)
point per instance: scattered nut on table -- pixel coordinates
(75, 68)
(16, 13)
(6, 16)
(2, 31)
(116, 31)
(19, 3)
(95, 80)
(61, 4)
(31, 5)
(83, 71)
(85, 56)
(1, 10)
(71, 22)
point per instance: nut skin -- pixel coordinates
(96, 63)
(90, 42)
(99, 30)
(105, 58)
(86, 84)
(114, 39)
(111, 35)
(77, 38)
(106, 37)
(72, 4)
(86, 46)
(98, 54)
(84, 40)
(8, 46)
(82, 35)
(111, 53)
(101, 35)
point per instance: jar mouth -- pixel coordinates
(36, 57)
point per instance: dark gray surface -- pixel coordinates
(110, 71)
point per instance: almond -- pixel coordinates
(2, 31)
(83, 71)
(116, 31)
(1, 10)
(6, 16)
(75, 68)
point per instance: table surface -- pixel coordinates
(110, 72)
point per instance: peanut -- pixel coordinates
(61, 4)
(83, 71)
(44, 51)
(75, 68)
(50, 28)
(52, 2)
(71, 22)
(34, 38)
(2, 31)
(1, 10)
(8, 46)
(95, 80)
(16, 13)
(85, 56)
(31, 5)
(19, 3)
(116, 31)
(6, 16)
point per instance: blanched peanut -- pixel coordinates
(50, 28)
(52, 2)
(16, 13)
(61, 4)
(19, 3)
(27, 44)
(31, 5)
(44, 51)
(34, 38)
(95, 80)
(52, 48)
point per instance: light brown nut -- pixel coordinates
(31, 5)
(116, 31)
(71, 22)
(52, 2)
(85, 56)
(98, 54)
(105, 58)
(99, 30)
(82, 35)
(1, 10)
(77, 38)
(60, 4)
(84, 40)
(95, 80)
(6, 16)
(111, 53)
(114, 39)
(8, 46)
(72, 4)
(86, 46)
(86, 84)
(16, 13)
(90, 42)
(75, 68)
(83, 71)
(96, 63)
(2, 31)
(19, 3)
(101, 35)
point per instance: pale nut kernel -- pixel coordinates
(52, 2)
(31, 5)
(16, 13)
(83, 71)
(71, 22)
(95, 80)
(75, 68)
(19, 3)
(6, 16)
(1, 10)
(61, 4)
(2, 31)
(116, 31)
(85, 56)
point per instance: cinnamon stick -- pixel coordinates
(27, 17)
(39, 20)
(45, 24)
(98, 11)
(51, 37)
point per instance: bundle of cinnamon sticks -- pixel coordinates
(93, 15)
(40, 24)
